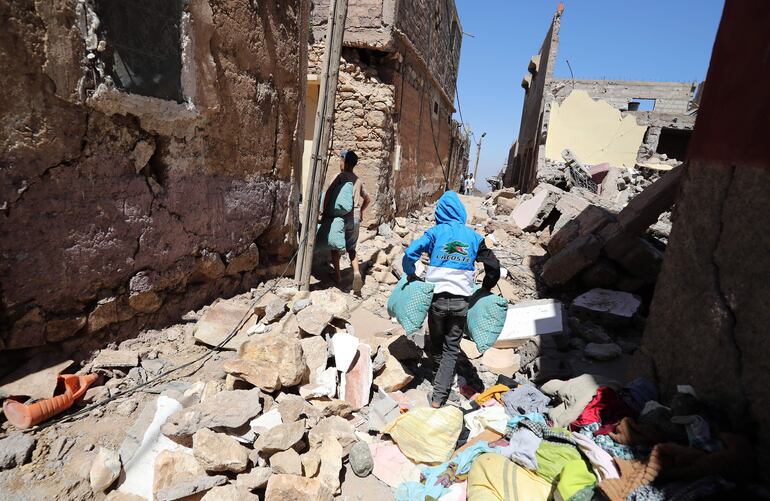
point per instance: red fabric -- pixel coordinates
(606, 408)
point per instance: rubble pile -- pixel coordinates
(590, 239)
(321, 395)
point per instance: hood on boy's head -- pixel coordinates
(450, 209)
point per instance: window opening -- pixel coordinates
(144, 52)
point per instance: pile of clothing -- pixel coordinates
(580, 439)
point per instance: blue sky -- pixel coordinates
(667, 40)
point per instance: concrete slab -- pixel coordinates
(527, 320)
(607, 305)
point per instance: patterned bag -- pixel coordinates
(409, 303)
(486, 318)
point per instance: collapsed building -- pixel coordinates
(148, 153)
(394, 102)
(642, 128)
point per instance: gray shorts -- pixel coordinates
(351, 233)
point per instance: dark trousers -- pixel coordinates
(446, 323)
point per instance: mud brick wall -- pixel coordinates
(708, 319)
(121, 211)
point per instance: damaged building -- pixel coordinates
(147, 152)
(639, 128)
(394, 100)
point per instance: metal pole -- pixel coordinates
(323, 124)
(478, 154)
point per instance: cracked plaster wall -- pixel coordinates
(121, 212)
(708, 319)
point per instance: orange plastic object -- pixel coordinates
(25, 416)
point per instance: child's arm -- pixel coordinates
(486, 257)
(414, 252)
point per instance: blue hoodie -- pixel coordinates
(453, 249)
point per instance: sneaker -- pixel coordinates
(358, 283)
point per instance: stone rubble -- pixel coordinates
(308, 383)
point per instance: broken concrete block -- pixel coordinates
(529, 319)
(255, 479)
(344, 347)
(325, 385)
(174, 468)
(504, 362)
(280, 438)
(332, 427)
(602, 352)
(393, 376)
(607, 306)
(229, 492)
(469, 348)
(105, 469)
(219, 320)
(272, 362)
(261, 424)
(226, 409)
(217, 452)
(530, 214)
(590, 220)
(356, 384)
(316, 354)
(311, 462)
(330, 452)
(577, 256)
(274, 311)
(569, 206)
(293, 487)
(382, 410)
(287, 461)
(189, 487)
(115, 359)
(332, 407)
(291, 407)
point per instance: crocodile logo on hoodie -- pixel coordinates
(456, 247)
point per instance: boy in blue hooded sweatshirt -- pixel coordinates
(453, 249)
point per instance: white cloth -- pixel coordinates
(601, 462)
(494, 418)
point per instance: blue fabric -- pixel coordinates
(525, 398)
(330, 234)
(536, 417)
(486, 317)
(450, 243)
(409, 302)
(343, 200)
(431, 487)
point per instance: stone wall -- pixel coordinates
(369, 23)
(708, 319)
(120, 211)
(363, 122)
(394, 101)
(522, 170)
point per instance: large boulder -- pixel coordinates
(272, 362)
